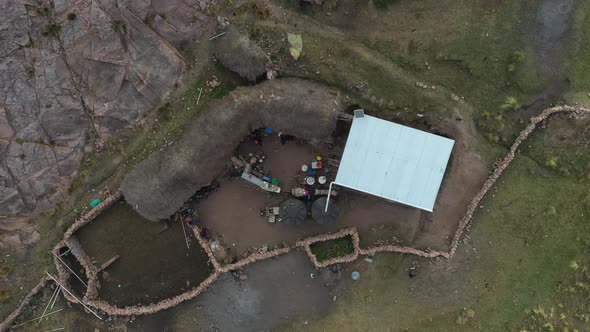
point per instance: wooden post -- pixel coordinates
(48, 304)
(199, 97)
(66, 265)
(184, 231)
(74, 296)
(56, 297)
(34, 319)
(107, 263)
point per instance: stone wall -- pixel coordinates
(109, 309)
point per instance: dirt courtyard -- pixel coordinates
(232, 213)
(144, 273)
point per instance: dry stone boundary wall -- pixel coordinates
(90, 298)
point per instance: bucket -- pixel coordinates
(322, 180)
(310, 180)
(304, 168)
(355, 275)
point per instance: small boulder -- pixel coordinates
(240, 54)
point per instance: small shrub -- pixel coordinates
(42, 10)
(514, 60)
(19, 140)
(510, 104)
(164, 111)
(4, 296)
(259, 9)
(551, 211)
(51, 30)
(119, 26)
(465, 316)
(149, 19)
(552, 161)
(384, 4)
(71, 16)
(5, 271)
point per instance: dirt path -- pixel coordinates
(553, 24)
(276, 291)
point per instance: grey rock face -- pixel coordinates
(73, 69)
(240, 54)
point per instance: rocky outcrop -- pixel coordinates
(72, 71)
(240, 54)
(158, 186)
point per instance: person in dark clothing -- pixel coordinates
(205, 233)
(285, 138)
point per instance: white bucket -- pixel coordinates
(322, 179)
(304, 168)
(310, 180)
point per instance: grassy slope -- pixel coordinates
(521, 252)
(578, 47)
(467, 49)
(523, 246)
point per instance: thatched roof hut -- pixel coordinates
(319, 214)
(292, 211)
(159, 185)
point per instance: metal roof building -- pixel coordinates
(392, 161)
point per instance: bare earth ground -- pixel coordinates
(233, 211)
(143, 273)
(276, 290)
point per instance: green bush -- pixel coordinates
(5, 271)
(4, 296)
(514, 60)
(119, 26)
(510, 104)
(51, 30)
(42, 10)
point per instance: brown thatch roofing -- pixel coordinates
(159, 185)
(292, 211)
(319, 214)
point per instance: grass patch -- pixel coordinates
(42, 10)
(332, 249)
(570, 308)
(51, 30)
(384, 4)
(5, 271)
(561, 148)
(119, 26)
(577, 47)
(4, 296)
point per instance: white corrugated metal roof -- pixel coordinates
(395, 162)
